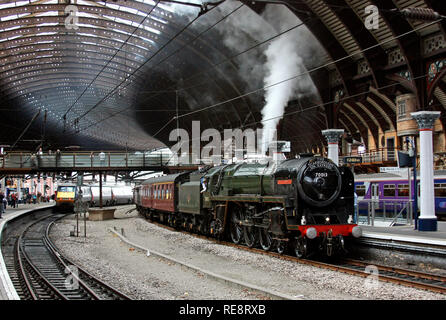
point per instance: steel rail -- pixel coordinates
(65, 262)
(350, 266)
(36, 283)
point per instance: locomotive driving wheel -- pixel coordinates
(281, 246)
(250, 235)
(235, 228)
(300, 247)
(266, 240)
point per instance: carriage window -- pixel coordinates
(360, 190)
(389, 190)
(403, 190)
(440, 189)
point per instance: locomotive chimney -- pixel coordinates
(277, 149)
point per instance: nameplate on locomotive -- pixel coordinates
(320, 164)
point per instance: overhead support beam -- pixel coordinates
(438, 6)
(410, 46)
(355, 122)
(368, 124)
(373, 114)
(386, 122)
(375, 57)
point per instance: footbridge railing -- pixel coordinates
(87, 160)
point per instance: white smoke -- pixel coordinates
(283, 62)
(267, 64)
(185, 10)
(241, 30)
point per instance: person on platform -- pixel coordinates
(2, 208)
(13, 200)
(58, 155)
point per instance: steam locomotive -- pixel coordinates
(304, 204)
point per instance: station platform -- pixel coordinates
(7, 290)
(407, 234)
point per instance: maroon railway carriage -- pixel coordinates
(159, 194)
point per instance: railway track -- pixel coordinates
(39, 272)
(405, 277)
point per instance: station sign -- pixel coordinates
(391, 169)
(352, 160)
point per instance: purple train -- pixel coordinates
(390, 186)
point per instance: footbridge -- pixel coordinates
(85, 161)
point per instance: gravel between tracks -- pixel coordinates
(142, 277)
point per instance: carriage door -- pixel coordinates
(418, 194)
(374, 194)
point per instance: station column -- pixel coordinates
(333, 136)
(425, 120)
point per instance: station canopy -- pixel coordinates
(125, 73)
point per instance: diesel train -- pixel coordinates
(67, 193)
(304, 204)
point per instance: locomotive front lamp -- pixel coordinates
(311, 233)
(357, 232)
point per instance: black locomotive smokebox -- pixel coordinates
(319, 182)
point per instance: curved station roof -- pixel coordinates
(124, 74)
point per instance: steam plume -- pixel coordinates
(283, 62)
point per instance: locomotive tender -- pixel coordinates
(306, 204)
